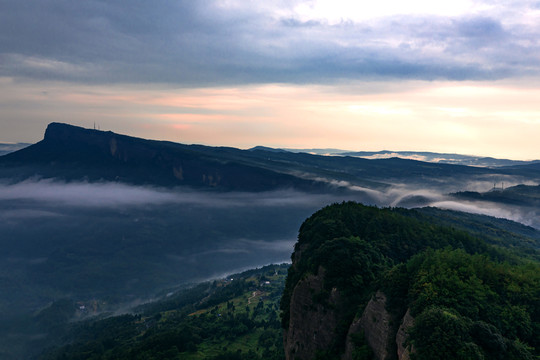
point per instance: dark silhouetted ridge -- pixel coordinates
(72, 153)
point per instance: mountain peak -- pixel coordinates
(60, 131)
(55, 130)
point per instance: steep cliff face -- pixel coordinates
(312, 324)
(315, 319)
(377, 325)
(404, 352)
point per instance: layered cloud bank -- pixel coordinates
(236, 42)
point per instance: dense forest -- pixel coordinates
(471, 297)
(468, 306)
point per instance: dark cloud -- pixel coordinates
(190, 43)
(295, 23)
(480, 27)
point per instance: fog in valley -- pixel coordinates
(85, 239)
(119, 245)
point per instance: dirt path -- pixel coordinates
(254, 295)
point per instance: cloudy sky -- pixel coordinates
(448, 76)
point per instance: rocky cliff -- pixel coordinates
(403, 350)
(376, 326)
(313, 324)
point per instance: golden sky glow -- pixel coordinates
(493, 119)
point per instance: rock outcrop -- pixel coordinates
(356, 328)
(401, 336)
(312, 324)
(375, 322)
(376, 325)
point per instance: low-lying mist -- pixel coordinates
(415, 195)
(32, 200)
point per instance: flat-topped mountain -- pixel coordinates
(73, 153)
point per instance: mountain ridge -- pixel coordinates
(75, 153)
(425, 156)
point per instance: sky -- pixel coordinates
(457, 76)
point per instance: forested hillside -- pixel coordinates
(522, 195)
(362, 274)
(467, 306)
(230, 319)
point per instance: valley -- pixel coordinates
(110, 222)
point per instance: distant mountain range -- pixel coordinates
(439, 158)
(74, 153)
(521, 195)
(443, 158)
